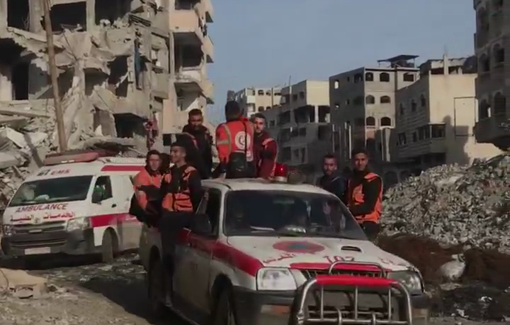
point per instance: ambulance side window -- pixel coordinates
(104, 186)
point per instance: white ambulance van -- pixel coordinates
(77, 204)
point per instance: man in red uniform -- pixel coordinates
(234, 140)
(265, 149)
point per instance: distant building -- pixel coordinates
(256, 100)
(436, 115)
(302, 125)
(363, 105)
(492, 90)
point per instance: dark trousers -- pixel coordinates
(371, 229)
(170, 224)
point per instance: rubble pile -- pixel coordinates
(466, 206)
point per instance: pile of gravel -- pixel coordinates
(454, 205)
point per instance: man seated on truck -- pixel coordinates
(146, 199)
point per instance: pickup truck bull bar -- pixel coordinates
(303, 317)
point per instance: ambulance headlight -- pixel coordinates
(275, 279)
(7, 230)
(78, 224)
(411, 280)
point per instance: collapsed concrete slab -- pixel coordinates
(21, 284)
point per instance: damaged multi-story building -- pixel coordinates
(126, 68)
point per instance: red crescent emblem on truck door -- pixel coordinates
(298, 247)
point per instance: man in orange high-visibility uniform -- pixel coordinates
(365, 192)
(147, 183)
(234, 141)
(182, 192)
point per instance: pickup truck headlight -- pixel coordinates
(275, 279)
(411, 280)
(78, 224)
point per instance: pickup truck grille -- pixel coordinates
(309, 274)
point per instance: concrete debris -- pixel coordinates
(21, 284)
(467, 206)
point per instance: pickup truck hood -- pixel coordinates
(289, 251)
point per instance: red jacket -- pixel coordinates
(265, 150)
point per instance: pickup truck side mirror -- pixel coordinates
(201, 225)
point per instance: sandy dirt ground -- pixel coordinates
(101, 295)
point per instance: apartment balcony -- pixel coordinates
(422, 147)
(185, 26)
(208, 49)
(208, 10)
(194, 80)
(495, 130)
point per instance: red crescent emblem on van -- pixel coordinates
(298, 247)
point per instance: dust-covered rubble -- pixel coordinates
(454, 205)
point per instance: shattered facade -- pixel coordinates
(492, 90)
(192, 50)
(113, 60)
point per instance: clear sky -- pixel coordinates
(263, 42)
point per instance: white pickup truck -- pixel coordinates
(263, 253)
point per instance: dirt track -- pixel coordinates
(97, 294)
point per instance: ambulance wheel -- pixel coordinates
(224, 313)
(108, 247)
(156, 288)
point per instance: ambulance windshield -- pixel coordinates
(288, 213)
(52, 190)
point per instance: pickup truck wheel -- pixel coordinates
(224, 313)
(108, 247)
(156, 288)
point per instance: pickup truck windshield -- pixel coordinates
(288, 213)
(52, 190)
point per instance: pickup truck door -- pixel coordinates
(202, 246)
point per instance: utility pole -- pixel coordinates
(62, 141)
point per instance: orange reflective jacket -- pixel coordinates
(357, 198)
(143, 178)
(181, 200)
(235, 137)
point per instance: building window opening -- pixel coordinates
(336, 84)
(188, 56)
(69, 16)
(402, 109)
(370, 100)
(499, 54)
(369, 76)
(268, 93)
(111, 10)
(358, 100)
(185, 4)
(140, 67)
(483, 110)
(385, 121)
(18, 14)
(413, 105)
(20, 81)
(302, 95)
(118, 78)
(384, 77)
(499, 104)
(260, 92)
(437, 130)
(423, 100)
(129, 126)
(294, 97)
(385, 100)
(415, 136)
(370, 121)
(358, 77)
(408, 77)
(484, 63)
